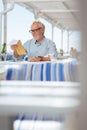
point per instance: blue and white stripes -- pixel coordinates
(43, 71)
(26, 122)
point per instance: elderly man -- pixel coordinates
(39, 48)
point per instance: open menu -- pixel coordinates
(19, 47)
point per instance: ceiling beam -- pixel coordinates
(59, 11)
(17, 1)
(72, 13)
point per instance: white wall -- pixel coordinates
(82, 115)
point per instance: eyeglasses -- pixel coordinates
(35, 30)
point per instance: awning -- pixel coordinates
(62, 13)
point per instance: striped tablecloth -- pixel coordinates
(64, 70)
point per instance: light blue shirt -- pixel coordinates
(46, 47)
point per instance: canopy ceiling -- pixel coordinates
(62, 13)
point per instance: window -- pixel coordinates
(48, 28)
(57, 37)
(18, 25)
(75, 40)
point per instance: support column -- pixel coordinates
(52, 31)
(0, 31)
(5, 25)
(62, 39)
(67, 41)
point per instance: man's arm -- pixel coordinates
(52, 50)
(16, 54)
(39, 58)
(45, 58)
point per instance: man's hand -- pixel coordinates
(13, 47)
(34, 59)
(39, 58)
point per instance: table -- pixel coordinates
(61, 70)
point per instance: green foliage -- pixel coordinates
(3, 48)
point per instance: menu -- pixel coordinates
(19, 47)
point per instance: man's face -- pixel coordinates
(37, 31)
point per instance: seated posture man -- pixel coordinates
(39, 48)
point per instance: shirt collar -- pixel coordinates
(37, 42)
